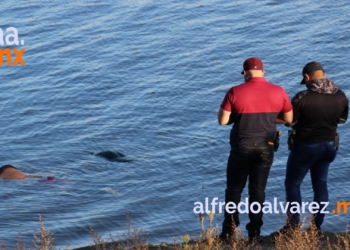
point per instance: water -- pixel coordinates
(145, 79)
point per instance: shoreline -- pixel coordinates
(327, 239)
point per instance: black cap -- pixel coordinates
(309, 68)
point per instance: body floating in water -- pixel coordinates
(11, 172)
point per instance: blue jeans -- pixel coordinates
(303, 157)
(247, 161)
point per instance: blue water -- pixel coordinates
(146, 78)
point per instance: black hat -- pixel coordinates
(309, 68)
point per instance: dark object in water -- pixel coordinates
(113, 156)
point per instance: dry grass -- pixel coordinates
(20, 244)
(132, 238)
(342, 241)
(208, 239)
(298, 238)
(293, 239)
(311, 239)
(42, 242)
(2, 247)
(45, 240)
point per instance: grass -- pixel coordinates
(208, 239)
(42, 242)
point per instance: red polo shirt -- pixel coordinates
(255, 105)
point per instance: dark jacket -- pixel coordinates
(318, 110)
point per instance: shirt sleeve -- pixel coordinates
(344, 115)
(296, 101)
(228, 101)
(295, 112)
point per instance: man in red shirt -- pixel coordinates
(254, 108)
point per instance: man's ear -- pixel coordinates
(307, 77)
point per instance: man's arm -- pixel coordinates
(344, 115)
(290, 116)
(285, 118)
(223, 116)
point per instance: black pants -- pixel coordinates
(247, 161)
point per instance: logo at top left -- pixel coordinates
(14, 56)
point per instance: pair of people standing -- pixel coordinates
(255, 107)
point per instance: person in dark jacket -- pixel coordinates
(317, 111)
